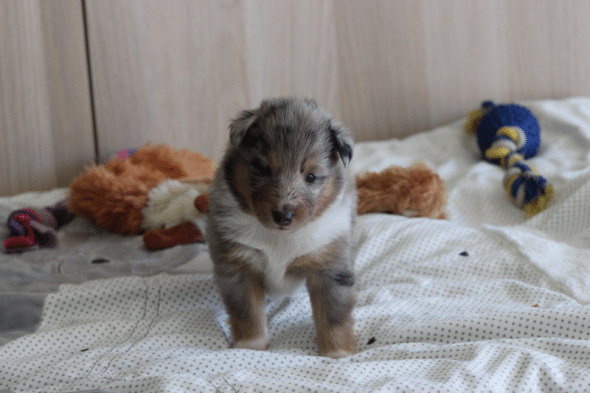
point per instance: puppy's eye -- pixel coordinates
(263, 170)
(310, 178)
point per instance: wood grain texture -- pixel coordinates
(505, 51)
(178, 72)
(290, 49)
(382, 74)
(168, 72)
(45, 123)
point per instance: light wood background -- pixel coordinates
(46, 134)
(177, 71)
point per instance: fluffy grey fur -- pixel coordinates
(282, 208)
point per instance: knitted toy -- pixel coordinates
(31, 229)
(415, 191)
(507, 134)
(114, 194)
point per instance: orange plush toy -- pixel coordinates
(415, 191)
(114, 194)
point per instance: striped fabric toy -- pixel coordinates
(34, 228)
(508, 134)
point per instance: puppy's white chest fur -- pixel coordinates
(272, 251)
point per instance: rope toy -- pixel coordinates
(507, 134)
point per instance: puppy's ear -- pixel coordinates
(342, 141)
(311, 102)
(240, 125)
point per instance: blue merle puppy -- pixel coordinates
(282, 211)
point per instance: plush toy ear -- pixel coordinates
(240, 125)
(342, 141)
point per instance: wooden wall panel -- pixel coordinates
(466, 56)
(550, 49)
(177, 72)
(505, 51)
(170, 72)
(45, 123)
(382, 67)
(290, 49)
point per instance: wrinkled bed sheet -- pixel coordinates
(85, 252)
(483, 301)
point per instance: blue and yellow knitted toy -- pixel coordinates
(507, 134)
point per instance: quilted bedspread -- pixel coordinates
(486, 300)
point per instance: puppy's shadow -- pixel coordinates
(299, 337)
(290, 323)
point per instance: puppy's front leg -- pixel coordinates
(332, 300)
(242, 291)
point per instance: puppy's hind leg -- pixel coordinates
(332, 300)
(243, 295)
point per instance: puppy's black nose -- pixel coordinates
(283, 219)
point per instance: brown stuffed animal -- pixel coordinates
(415, 191)
(114, 194)
(184, 233)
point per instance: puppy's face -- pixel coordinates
(286, 162)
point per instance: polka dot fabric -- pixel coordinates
(481, 302)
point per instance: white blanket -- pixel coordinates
(483, 301)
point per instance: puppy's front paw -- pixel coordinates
(338, 354)
(260, 343)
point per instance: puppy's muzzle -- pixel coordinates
(283, 217)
